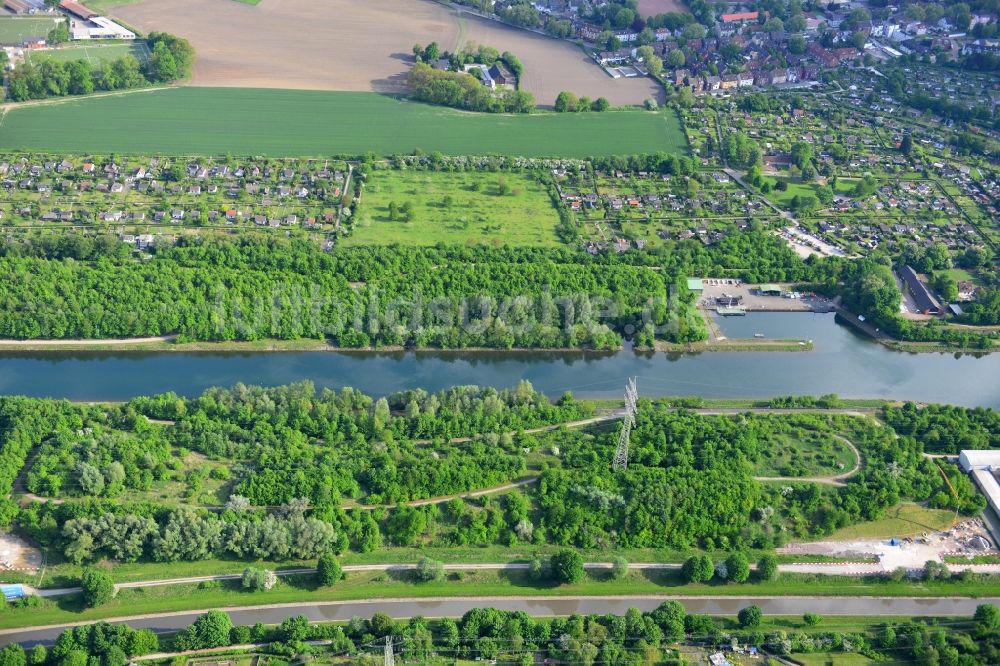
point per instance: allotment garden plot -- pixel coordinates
(648, 209)
(429, 207)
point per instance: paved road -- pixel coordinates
(537, 606)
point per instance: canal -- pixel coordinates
(842, 362)
(343, 611)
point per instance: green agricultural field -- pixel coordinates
(15, 30)
(468, 207)
(95, 54)
(244, 121)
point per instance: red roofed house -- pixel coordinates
(78, 10)
(740, 17)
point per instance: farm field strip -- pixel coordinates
(182, 121)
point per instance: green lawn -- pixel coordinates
(188, 120)
(902, 520)
(467, 207)
(14, 30)
(804, 453)
(783, 198)
(94, 54)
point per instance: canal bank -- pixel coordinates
(842, 361)
(342, 611)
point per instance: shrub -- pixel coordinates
(255, 579)
(98, 588)
(536, 571)
(750, 617)
(428, 570)
(328, 570)
(987, 616)
(767, 567)
(737, 568)
(619, 568)
(811, 619)
(567, 566)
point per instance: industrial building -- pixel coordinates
(85, 23)
(983, 467)
(922, 297)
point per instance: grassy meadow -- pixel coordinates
(242, 121)
(466, 207)
(94, 54)
(906, 519)
(14, 30)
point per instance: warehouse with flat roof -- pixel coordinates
(983, 467)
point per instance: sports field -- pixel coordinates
(215, 121)
(95, 54)
(15, 30)
(468, 207)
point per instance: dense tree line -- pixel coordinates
(488, 634)
(267, 288)
(946, 428)
(171, 59)
(464, 91)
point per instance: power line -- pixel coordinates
(621, 453)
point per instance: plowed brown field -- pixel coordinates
(359, 45)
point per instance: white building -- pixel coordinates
(973, 460)
(98, 27)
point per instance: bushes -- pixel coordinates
(429, 570)
(98, 588)
(737, 568)
(213, 629)
(256, 580)
(698, 569)
(328, 571)
(767, 567)
(750, 617)
(567, 566)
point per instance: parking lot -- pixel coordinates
(749, 298)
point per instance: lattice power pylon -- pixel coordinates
(390, 659)
(631, 400)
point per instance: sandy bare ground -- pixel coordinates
(358, 46)
(653, 7)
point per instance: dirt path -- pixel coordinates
(78, 342)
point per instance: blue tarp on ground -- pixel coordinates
(12, 592)
(894, 541)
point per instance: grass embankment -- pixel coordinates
(382, 585)
(200, 121)
(737, 345)
(905, 519)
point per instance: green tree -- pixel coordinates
(328, 571)
(811, 619)
(987, 616)
(567, 566)
(600, 104)
(737, 568)
(98, 588)
(619, 568)
(750, 617)
(566, 102)
(767, 567)
(676, 59)
(429, 570)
